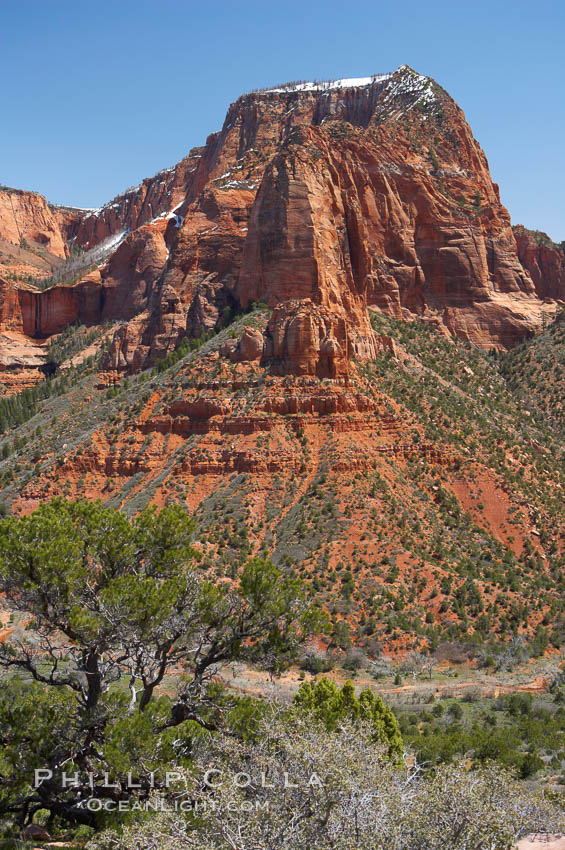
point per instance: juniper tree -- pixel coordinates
(331, 706)
(109, 609)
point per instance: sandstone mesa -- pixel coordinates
(322, 200)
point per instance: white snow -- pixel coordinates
(101, 252)
(170, 214)
(240, 184)
(348, 83)
(414, 88)
(113, 241)
(411, 86)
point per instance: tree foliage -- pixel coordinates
(331, 706)
(111, 608)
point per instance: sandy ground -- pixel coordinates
(529, 680)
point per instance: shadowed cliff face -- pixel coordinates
(119, 289)
(544, 261)
(337, 197)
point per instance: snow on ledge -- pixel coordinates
(352, 82)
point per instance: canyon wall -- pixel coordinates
(319, 199)
(27, 216)
(544, 261)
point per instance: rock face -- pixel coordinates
(544, 261)
(118, 290)
(345, 198)
(303, 338)
(137, 206)
(27, 216)
(321, 200)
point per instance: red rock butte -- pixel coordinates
(322, 200)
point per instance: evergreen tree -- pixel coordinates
(112, 608)
(329, 705)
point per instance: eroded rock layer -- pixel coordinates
(319, 200)
(544, 260)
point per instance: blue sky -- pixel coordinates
(95, 96)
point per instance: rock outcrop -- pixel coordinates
(118, 290)
(303, 338)
(347, 196)
(544, 261)
(321, 200)
(26, 216)
(159, 194)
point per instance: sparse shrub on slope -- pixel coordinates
(343, 793)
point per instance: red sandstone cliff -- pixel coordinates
(27, 216)
(138, 205)
(117, 290)
(374, 194)
(544, 261)
(321, 200)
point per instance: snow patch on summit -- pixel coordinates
(404, 89)
(408, 89)
(349, 83)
